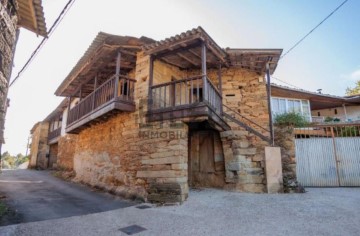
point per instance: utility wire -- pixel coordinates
(302, 39)
(41, 44)
(285, 82)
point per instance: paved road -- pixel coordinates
(37, 196)
(320, 211)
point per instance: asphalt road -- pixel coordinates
(38, 196)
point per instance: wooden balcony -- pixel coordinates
(54, 135)
(195, 98)
(113, 96)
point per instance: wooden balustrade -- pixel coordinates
(103, 95)
(185, 92)
(54, 134)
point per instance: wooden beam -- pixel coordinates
(173, 52)
(127, 52)
(195, 63)
(172, 63)
(151, 78)
(118, 59)
(203, 69)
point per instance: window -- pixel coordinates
(286, 105)
(319, 113)
(335, 111)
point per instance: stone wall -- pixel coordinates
(53, 152)
(285, 139)
(66, 151)
(164, 158)
(127, 156)
(8, 37)
(244, 152)
(39, 148)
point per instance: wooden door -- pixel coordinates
(205, 167)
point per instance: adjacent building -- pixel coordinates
(15, 14)
(315, 107)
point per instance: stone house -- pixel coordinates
(148, 119)
(15, 14)
(314, 106)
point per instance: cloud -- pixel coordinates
(355, 75)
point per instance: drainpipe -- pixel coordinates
(268, 90)
(346, 117)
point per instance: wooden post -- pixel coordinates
(80, 93)
(94, 93)
(68, 111)
(117, 76)
(220, 87)
(203, 69)
(268, 90)
(151, 77)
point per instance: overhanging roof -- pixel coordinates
(58, 110)
(100, 54)
(184, 50)
(31, 16)
(317, 100)
(254, 59)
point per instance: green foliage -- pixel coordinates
(291, 119)
(350, 131)
(330, 119)
(355, 90)
(3, 209)
(12, 162)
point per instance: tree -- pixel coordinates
(355, 90)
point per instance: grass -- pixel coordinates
(3, 209)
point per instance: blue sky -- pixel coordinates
(328, 59)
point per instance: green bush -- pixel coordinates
(330, 119)
(291, 119)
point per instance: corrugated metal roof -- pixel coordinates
(31, 16)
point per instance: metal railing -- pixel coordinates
(103, 95)
(246, 123)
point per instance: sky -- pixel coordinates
(329, 59)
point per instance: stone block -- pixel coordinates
(273, 166)
(233, 166)
(160, 174)
(245, 151)
(164, 160)
(240, 144)
(182, 166)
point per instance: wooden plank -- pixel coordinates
(206, 152)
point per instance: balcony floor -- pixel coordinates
(189, 113)
(100, 114)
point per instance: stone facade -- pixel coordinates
(149, 161)
(285, 139)
(39, 149)
(155, 161)
(244, 152)
(66, 151)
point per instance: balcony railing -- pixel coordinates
(186, 93)
(103, 96)
(195, 97)
(54, 134)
